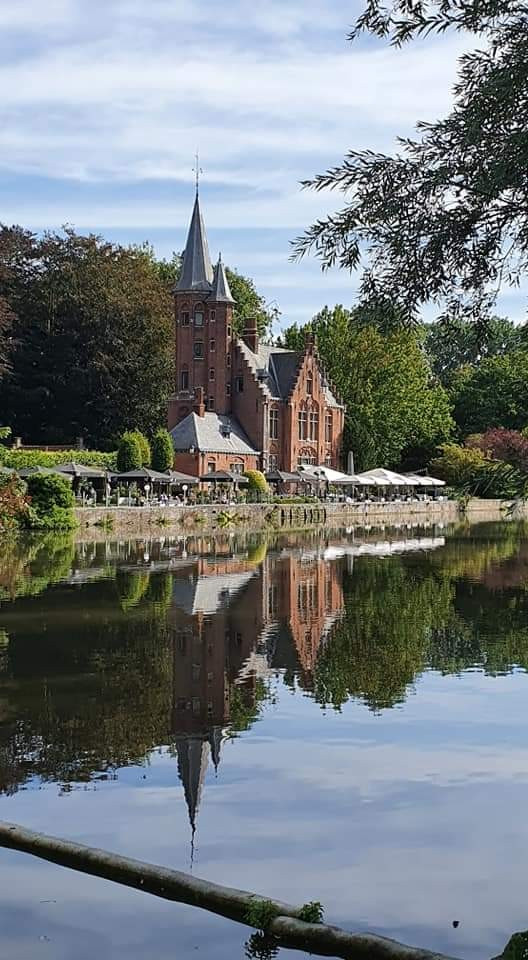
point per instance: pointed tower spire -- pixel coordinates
(197, 271)
(193, 757)
(221, 292)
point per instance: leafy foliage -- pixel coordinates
(144, 447)
(312, 912)
(92, 333)
(17, 459)
(469, 470)
(129, 452)
(393, 406)
(13, 502)
(510, 446)
(445, 218)
(257, 483)
(260, 913)
(51, 502)
(459, 343)
(493, 393)
(162, 451)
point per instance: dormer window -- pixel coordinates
(198, 318)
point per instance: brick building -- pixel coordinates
(240, 403)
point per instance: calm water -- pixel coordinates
(341, 718)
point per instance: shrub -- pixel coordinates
(457, 465)
(257, 485)
(509, 446)
(469, 471)
(129, 453)
(13, 502)
(13, 457)
(144, 448)
(51, 502)
(162, 451)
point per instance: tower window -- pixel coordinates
(198, 318)
(228, 359)
(211, 373)
(213, 316)
(184, 380)
(228, 389)
(239, 384)
(185, 318)
(212, 345)
(211, 403)
(229, 331)
(198, 349)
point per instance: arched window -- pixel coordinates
(198, 316)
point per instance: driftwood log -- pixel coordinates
(286, 927)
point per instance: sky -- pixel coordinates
(104, 104)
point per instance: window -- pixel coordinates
(212, 316)
(272, 461)
(228, 359)
(303, 425)
(309, 384)
(198, 349)
(185, 318)
(212, 345)
(236, 467)
(196, 671)
(211, 403)
(228, 389)
(313, 425)
(307, 460)
(229, 331)
(184, 379)
(239, 384)
(328, 427)
(211, 373)
(328, 461)
(198, 318)
(211, 466)
(274, 423)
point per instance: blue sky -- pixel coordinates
(104, 103)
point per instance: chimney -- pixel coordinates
(250, 335)
(199, 403)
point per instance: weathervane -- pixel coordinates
(197, 171)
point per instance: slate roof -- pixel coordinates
(197, 271)
(280, 368)
(206, 434)
(221, 292)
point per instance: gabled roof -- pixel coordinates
(277, 370)
(197, 270)
(221, 292)
(212, 433)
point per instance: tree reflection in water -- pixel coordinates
(111, 650)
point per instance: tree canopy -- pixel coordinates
(394, 409)
(492, 393)
(445, 218)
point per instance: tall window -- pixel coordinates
(273, 461)
(314, 425)
(228, 359)
(328, 427)
(198, 349)
(212, 345)
(229, 331)
(211, 373)
(198, 318)
(228, 389)
(309, 384)
(210, 403)
(185, 318)
(303, 425)
(184, 379)
(239, 383)
(212, 316)
(274, 424)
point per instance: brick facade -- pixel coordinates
(281, 399)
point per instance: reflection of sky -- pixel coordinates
(401, 822)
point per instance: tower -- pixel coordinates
(203, 316)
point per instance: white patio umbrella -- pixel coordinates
(392, 478)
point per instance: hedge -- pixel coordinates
(12, 457)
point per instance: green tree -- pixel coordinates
(128, 452)
(393, 406)
(256, 483)
(459, 342)
(144, 447)
(51, 502)
(92, 334)
(162, 451)
(445, 218)
(493, 393)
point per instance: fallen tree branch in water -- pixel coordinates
(285, 925)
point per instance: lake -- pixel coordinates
(337, 716)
